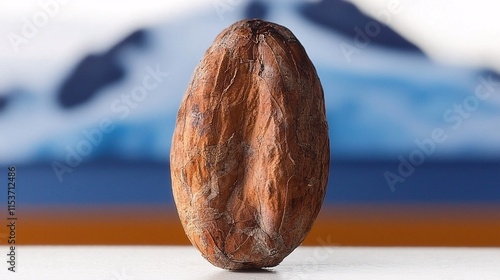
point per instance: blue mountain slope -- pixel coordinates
(4, 100)
(256, 9)
(95, 72)
(343, 17)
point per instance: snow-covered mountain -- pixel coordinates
(385, 97)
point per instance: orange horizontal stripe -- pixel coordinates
(352, 225)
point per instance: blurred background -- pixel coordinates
(89, 92)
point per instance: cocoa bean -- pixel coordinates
(250, 152)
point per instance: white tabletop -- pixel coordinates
(183, 262)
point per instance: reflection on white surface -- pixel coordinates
(176, 262)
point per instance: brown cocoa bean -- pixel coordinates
(250, 152)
